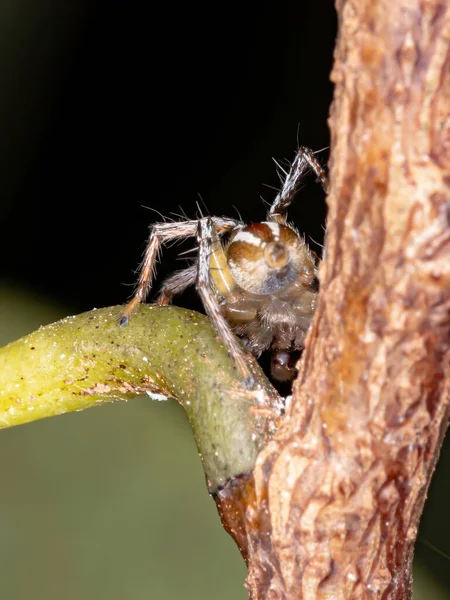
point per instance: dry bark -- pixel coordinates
(340, 489)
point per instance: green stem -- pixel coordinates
(88, 359)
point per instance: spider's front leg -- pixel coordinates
(161, 233)
(211, 255)
(303, 162)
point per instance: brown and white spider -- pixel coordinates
(260, 284)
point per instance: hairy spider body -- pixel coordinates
(261, 284)
(271, 297)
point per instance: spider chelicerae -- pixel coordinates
(257, 281)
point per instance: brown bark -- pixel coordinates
(340, 489)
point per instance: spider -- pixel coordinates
(257, 281)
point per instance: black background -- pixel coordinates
(129, 107)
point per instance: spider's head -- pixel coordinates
(264, 258)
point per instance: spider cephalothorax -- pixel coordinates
(271, 298)
(261, 284)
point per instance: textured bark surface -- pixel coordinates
(340, 489)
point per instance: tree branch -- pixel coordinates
(87, 360)
(340, 489)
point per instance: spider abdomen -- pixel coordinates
(275, 322)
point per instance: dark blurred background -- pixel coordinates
(108, 107)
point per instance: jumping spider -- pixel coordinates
(260, 284)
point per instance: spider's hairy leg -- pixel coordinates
(161, 233)
(208, 242)
(303, 162)
(309, 156)
(175, 284)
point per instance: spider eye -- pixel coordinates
(276, 255)
(265, 257)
